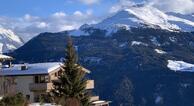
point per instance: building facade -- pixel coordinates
(35, 80)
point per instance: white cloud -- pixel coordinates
(89, 2)
(122, 4)
(29, 26)
(180, 6)
(59, 14)
(89, 12)
(42, 25)
(78, 13)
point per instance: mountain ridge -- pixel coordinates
(140, 16)
(9, 41)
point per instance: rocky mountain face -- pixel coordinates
(146, 56)
(152, 49)
(9, 41)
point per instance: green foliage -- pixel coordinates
(70, 89)
(123, 94)
(45, 98)
(16, 100)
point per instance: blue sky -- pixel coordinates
(43, 8)
(28, 18)
(31, 17)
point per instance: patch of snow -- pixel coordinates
(180, 66)
(159, 51)
(184, 23)
(173, 39)
(123, 44)
(93, 59)
(158, 100)
(138, 43)
(11, 46)
(165, 43)
(76, 48)
(9, 41)
(9, 34)
(185, 85)
(1, 47)
(155, 41)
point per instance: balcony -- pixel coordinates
(90, 84)
(48, 86)
(40, 86)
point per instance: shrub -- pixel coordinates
(15, 100)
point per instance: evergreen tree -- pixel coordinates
(70, 89)
(123, 94)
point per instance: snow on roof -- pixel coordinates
(39, 104)
(37, 68)
(5, 57)
(100, 102)
(32, 69)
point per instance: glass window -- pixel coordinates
(27, 97)
(42, 79)
(46, 78)
(36, 79)
(56, 74)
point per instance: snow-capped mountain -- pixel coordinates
(9, 41)
(142, 16)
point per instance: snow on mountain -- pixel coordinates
(142, 16)
(180, 66)
(9, 41)
(138, 43)
(185, 22)
(159, 51)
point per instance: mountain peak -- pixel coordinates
(8, 40)
(137, 16)
(142, 16)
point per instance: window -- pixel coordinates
(36, 98)
(27, 97)
(41, 79)
(36, 79)
(46, 78)
(59, 73)
(56, 74)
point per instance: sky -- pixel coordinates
(31, 17)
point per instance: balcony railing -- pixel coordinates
(49, 86)
(40, 86)
(90, 84)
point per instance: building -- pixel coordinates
(34, 80)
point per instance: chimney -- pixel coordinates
(24, 67)
(10, 64)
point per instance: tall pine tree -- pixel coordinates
(70, 90)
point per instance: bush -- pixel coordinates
(15, 100)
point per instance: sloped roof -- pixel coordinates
(5, 57)
(33, 69)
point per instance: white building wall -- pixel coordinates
(22, 85)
